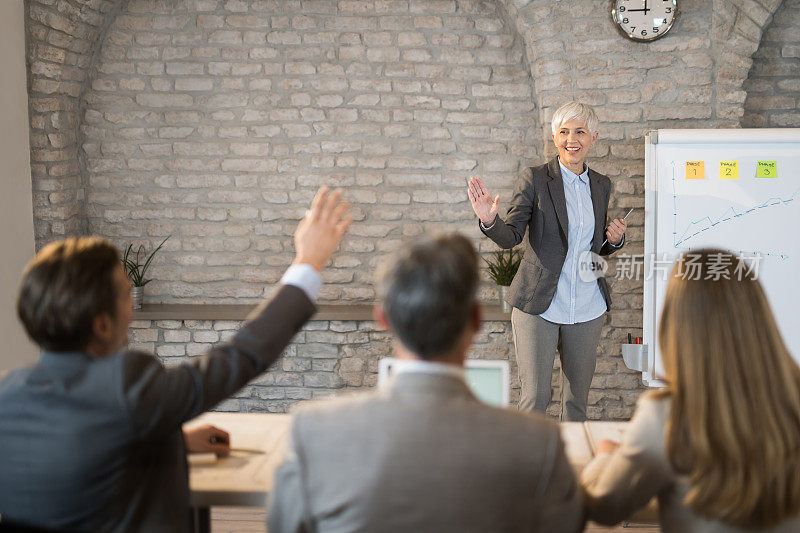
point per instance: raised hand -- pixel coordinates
(482, 203)
(319, 233)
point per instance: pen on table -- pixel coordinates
(221, 440)
(623, 218)
(247, 450)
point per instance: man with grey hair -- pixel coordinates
(422, 453)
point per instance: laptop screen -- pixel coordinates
(486, 384)
(488, 380)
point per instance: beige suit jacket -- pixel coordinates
(618, 484)
(423, 455)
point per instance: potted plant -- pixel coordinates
(136, 270)
(502, 268)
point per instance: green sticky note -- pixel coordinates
(767, 169)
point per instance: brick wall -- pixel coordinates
(773, 88)
(331, 357)
(213, 121)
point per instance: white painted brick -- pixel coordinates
(194, 84)
(170, 350)
(164, 100)
(205, 336)
(176, 336)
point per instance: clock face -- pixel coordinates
(644, 20)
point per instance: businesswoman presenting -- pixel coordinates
(563, 205)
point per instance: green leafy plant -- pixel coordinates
(503, 266)
(134, 268)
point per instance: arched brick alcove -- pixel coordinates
(61, 40)
(214, 122)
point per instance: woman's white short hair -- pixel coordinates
(575, 111)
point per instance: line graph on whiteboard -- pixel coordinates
(685, 231)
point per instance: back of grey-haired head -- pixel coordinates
(428, 292)
(575, 111)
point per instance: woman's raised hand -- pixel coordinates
(482, 203)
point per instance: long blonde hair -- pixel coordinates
(734, 425)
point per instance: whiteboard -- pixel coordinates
(731, 189)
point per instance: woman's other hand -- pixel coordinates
(482, 203)
(616, 230)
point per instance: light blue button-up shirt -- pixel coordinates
(576, 300)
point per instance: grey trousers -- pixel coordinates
(536, 340)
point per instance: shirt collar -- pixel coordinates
(570, 176)
(71, 359)
(401, 366)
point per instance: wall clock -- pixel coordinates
(644, 20)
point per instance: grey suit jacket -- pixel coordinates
(95, 444)
(618, 484)
(540, 207)
(424, 455)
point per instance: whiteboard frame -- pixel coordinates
(720, 136)
(650, 313)
(681, 136)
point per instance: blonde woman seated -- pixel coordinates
(720, 446)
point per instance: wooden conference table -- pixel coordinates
(258, 445)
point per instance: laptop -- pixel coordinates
(487, 379)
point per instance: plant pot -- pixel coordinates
(137, 293)
(502, 290)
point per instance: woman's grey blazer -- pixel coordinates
(540, 207)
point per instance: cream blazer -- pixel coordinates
(618, 484)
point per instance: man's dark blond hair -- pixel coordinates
(64, 288)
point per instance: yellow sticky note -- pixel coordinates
(729, 170)
(695, 170)
(767, 169)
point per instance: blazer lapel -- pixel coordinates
(556, 186)
(599, 204)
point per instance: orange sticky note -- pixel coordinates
(695, 170)
(729, 170)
